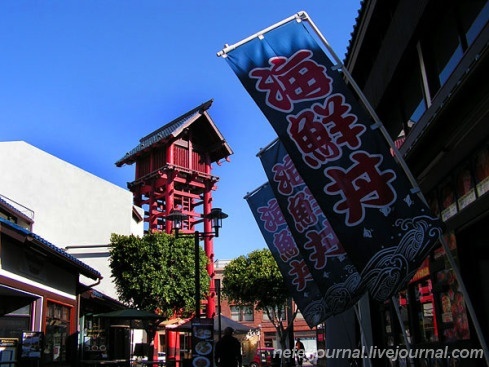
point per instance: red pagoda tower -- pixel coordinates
(173, 171)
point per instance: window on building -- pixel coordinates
(425, 310)
(473, 17)
(280, 313)
(442, 49)
(404, 101)
(390, 113)
(57, 331)
(13, 323)
(185, 345)
(404, 313)
(412, 100)
(242, 313)
(448, 296)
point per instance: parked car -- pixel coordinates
(263, 357)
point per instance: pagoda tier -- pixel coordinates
(173, 168)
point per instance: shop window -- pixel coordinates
(95, 341)
(57, 332)
(465, 186)
(454, 321)
(433, 203)
(404, 312)
(448, 202)
(482, 170)
(14, 323)
(468, 183)
(393, 332)
(388, 326)
(425, 310)
(454, 324)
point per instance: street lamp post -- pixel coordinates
(177, 217)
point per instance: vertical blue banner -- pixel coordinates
(330, 266)
(297, 276)
(344, 160)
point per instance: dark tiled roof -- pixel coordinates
(83, 268)
(14, 210)
(354, 33)
(165, 131)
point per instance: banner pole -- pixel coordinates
(266, 147)
(396, 304)
(228, 48)
(363, 338)
(248, 194)
(378, 124)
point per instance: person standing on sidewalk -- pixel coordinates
(228, 350)
(300, 352)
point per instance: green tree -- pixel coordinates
(156, 273)
(255, 279)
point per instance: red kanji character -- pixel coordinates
(300, 274)
(341, 123)
(322, 245)
(302, 211)
(285, 245)
(312, 138)
(362, 185)
(271, 216)
(314, 204)
(286, 176)
(296, 79)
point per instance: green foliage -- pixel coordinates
(255, 279)
(156, 272)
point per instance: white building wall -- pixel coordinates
(71, 206)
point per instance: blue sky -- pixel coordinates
(84, 80)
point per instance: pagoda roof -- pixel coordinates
(206, 135)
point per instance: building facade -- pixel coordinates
(71, 207)
(43, 196)
(39, 295)
(423, 66)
